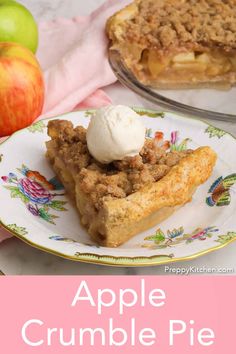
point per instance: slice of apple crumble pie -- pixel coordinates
(122, 198)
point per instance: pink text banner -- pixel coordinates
(54, 315)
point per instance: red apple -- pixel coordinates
(21, 88)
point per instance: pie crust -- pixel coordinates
(172, 44)
(112, 220)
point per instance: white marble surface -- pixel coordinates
(17, 258)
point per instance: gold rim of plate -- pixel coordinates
(107, 260)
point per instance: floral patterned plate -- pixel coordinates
(34, 207)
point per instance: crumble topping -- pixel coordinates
(175, 23)
(117, 179)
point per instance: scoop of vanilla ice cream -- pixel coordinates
(115, 132)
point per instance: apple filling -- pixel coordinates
(177, 44)
(193, 66)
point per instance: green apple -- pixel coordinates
(17, 25)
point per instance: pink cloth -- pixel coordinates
(73, 55)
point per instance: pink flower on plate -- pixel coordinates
(174, 137)
(34, 191)
(5, 178)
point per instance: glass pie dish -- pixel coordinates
(201, 103)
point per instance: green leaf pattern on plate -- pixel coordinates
(17, 229)
(140, 111)
(215, 132)
(37, 127)
(177, 236)
(223, 239)
(148, 112)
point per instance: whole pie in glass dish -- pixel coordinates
(118, 199)
(171, 44)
